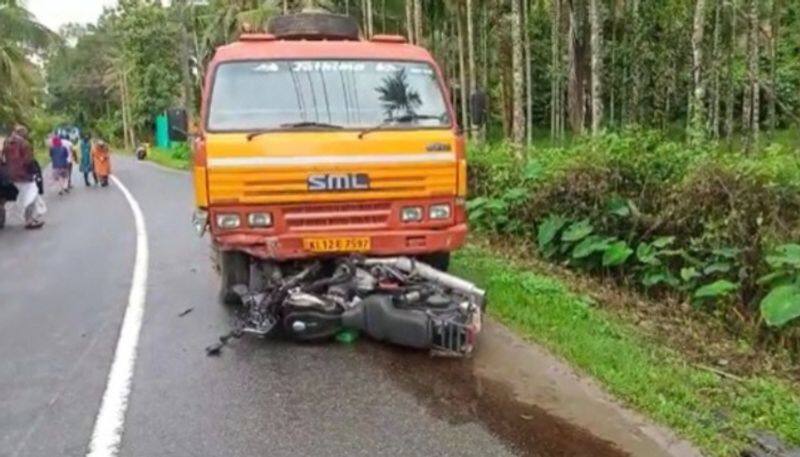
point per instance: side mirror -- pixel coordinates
(178, 124)
(477, 107)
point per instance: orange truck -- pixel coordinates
(315, 141)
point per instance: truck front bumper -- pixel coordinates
(383, 242)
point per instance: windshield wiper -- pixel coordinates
(295, 125)
(405, 119)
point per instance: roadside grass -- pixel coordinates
(167, 158)
(717, 413)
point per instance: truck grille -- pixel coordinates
(271, 186)
(339, 216)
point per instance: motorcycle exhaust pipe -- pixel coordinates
(409, 266)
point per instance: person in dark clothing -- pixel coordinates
(59, 155)
(20, 166)
(8, 192)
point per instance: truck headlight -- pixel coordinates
(259, 220)
(228, 221)
(439, 211)
(411, 214)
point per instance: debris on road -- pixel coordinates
(185, 312)
(397, 300)
(216, 348)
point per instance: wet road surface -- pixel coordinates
(63, 292)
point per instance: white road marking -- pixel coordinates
(108, 425)
(220, 162)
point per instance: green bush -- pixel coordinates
(649, 211)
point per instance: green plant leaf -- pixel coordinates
(476, 215)
(515, 195)
(476, 203)
(781, 305)
(590, 245)
(653, 278)
(647, 255)
(787, 254)
(577, 231)
(616, 254)
(717, 267)
(533, 170)
(619, 207)
(716, 289)
(548, 230)
(728, 253)
(690, 273)
(772, 277)
(663, 241)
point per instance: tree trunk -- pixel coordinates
(485, 73)
(410, 21)
(554, 67)
(124, 105)
(518, 118)
(187, 88)
(526, 29)
(775, 21)
(576, 102)
(754, 70)
(753, 76)
(636, 71)
(462, 69)
(731, 97)
(473, 83)
(715, 55)
(285, 6)
(697, 119)
(597, 66)
(612, 98)
(370, 25)
(418, 22)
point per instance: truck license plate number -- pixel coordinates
(359, 244)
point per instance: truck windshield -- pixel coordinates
(353, 94)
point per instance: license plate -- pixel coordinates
(351, 244)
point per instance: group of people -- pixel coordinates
(21, 179)
(94, 160)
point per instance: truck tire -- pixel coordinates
(439, 260)
(234, 269)
(314, 26)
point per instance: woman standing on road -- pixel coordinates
(59, 155)
(20, 166)
(86, 160)
(102, 162)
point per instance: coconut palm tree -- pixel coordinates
(20, 36)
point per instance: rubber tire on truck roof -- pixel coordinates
(314, 26)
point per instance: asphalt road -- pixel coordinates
(63, 293)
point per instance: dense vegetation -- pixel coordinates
(714, 226)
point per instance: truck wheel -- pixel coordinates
(314, 26)
(439, 260)
(234, 269)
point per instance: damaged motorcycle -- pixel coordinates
(397, 300)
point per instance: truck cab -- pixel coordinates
(318, 144)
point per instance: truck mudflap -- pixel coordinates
(396, 300)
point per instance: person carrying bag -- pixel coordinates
(8, 191)
(21, 167)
